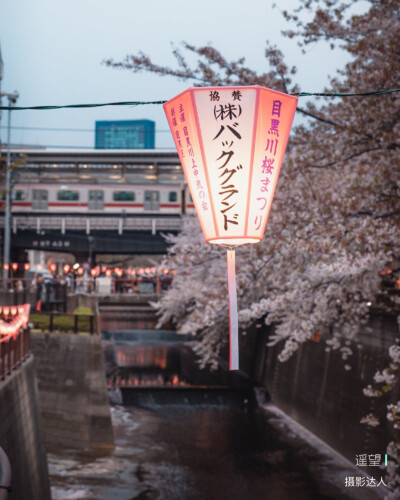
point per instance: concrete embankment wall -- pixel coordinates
(322, 391)
(21, 434)
(73, 393)
(128, 312)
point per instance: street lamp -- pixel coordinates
(231, 142)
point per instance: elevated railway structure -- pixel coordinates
(95, 201)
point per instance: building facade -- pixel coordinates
(125, 134)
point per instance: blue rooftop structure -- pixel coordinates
(125, 134)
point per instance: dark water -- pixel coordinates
(187, 453)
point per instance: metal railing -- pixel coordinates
(55, 291)
(88, 224)
(13, 351)
(65, 323)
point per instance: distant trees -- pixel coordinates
(335, 220)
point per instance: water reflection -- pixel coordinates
(187, 453)
(143, 355)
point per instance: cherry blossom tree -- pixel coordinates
(335, 219)
(386, 381)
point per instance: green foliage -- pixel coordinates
(62, 323)
(84, 311)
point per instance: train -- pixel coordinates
(82, 199)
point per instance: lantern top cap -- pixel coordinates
(233, 87)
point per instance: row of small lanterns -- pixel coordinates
(19, 319)
(15, 266)
(131, 272)
(11, 310)
(97, 270)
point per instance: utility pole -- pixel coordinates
(12, 99)
(1, 77)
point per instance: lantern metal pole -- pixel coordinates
(233, 312)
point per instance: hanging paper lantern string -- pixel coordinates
(11, 329)
(231, 142)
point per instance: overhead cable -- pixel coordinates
(143, 103)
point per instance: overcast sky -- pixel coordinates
(53, 51)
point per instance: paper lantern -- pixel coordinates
(66, 268)
(15, 266)
(27, 266)
(231, 142)
(12, 328)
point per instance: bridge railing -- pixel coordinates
(21, 290)
(94, 223)
(13, 351)
(64, 322)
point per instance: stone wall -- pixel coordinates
(75, 300)
(21, 434)
(322, 391)
(73, 393)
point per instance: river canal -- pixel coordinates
(187, 452)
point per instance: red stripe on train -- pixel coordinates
(66, 204)
(129, 205)
(17, 203)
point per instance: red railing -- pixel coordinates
(13, 351)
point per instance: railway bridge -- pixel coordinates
(91, 202)
(85, 236)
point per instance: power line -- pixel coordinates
(345, 94)
(56, 129)
(44, 146)
(143, 103)
(123, 103)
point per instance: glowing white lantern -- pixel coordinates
(231, 142)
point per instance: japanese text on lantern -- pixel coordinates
(228, 134)
(267, 167)
(184, 145)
